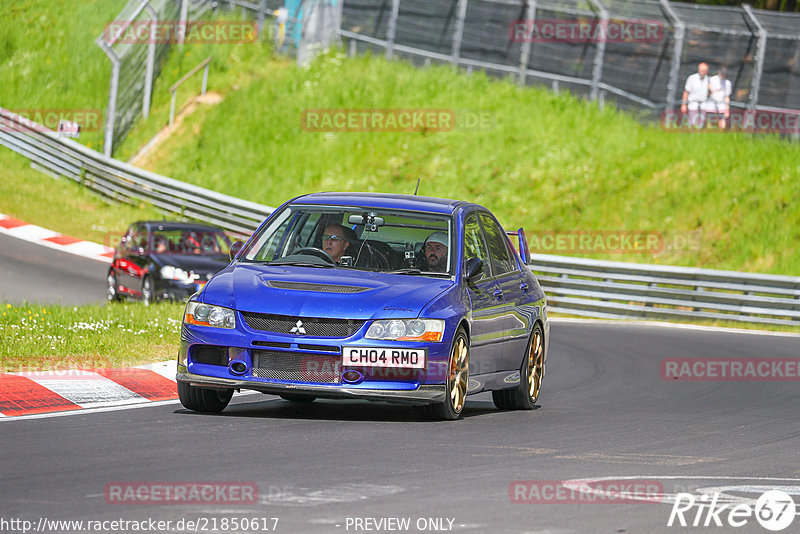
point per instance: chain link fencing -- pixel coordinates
(135, 65)
(641, 69)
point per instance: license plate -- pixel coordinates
(384, 357)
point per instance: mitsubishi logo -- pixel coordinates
(298, 328)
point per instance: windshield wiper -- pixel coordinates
(416, 271)
(303, 264)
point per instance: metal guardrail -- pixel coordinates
(121, 182)
(609, 289)
(576, 286)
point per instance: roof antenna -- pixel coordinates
(417, 188)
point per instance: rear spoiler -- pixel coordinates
(522, 245)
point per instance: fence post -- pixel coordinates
(262, 13)
(182, 22)
(108, 133)
(759, 66)
(458, 34)
(151, 59)
(390, 32)
(677, 53)
(599, 57)
(525, 49)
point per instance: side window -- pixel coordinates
(474, 246)
(498, 249)
(132, 241)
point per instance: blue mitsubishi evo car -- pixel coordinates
(380, 297)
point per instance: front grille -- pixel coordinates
(322, 288)
(209, 354)
(297, 367)
(312, 326)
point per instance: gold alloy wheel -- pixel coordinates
(535, 365)
(459, 374)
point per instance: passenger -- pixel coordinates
(435, 252)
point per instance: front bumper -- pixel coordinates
(177, 290)
(424, 394)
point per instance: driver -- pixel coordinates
(435, 252)
(336, 239)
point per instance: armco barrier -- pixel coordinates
(120, 182)
(610, 289)
(574, 285)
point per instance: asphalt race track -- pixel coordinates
(605, 412)
(34, 273)
(351, 466)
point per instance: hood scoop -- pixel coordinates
(320, 288)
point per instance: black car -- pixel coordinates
(166, 260)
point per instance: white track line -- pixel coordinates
(625, 322)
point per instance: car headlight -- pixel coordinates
(209, 315)
(169, 272)
(407, 329)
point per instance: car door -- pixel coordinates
(487, 328)
(507, 276)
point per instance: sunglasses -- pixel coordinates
(332, 237)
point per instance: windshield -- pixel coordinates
(368, 239)
(190, 242)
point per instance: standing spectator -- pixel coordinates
(695, 93)
(720, 88)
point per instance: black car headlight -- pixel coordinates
(209, 315)
(407, 329)
(170, 272)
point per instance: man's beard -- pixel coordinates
(434, 262)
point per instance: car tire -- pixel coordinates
(147, 291)
(207, 400)
(456, 383)
(111, 293)
(531, 373)
(302, 399)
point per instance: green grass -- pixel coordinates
(38, 337)
(48, 57)
(63, 205)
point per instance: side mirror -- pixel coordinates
(236, 247)
(474, 268)
(524, 251)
